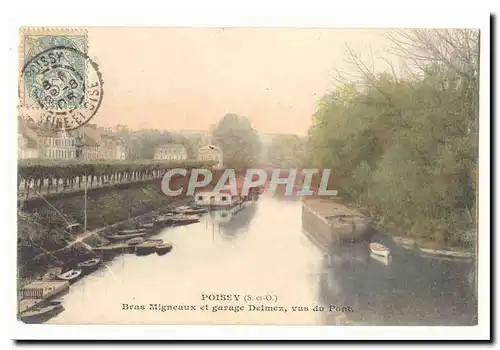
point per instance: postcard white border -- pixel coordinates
(289, 14)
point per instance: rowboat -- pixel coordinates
(164, 219)
(89, 264)
(385, 260)
(191, 211)
(134, 241)
(185, 219)
(132, 231)
(147, 225)
(406, 243)
(379, 249)
(182, 209)
(70, 275)
(125, 237)
(146, 247)
(163, 248)
(42, 313)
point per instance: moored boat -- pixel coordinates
(132, 231)
(385, 260)
(190, 210)
(125, 237)
(42, 313)
(406, 243)
(163, 248)
(181, 209)
(135, 241)
(146, 247)
(89, 264)
(70, 275)
(147, 225)
(185, 219)
(379, 249)
(52, 273)
(165, 219)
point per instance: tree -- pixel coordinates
(406, 147)
(238, 140)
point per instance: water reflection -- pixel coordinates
(235, 221)
(265, 249)
(406, 289)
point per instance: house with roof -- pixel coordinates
(88, 142)
(170, 151)
(216, 199)
(111, 147)
(210, 153)
(36, 142)
(56, 145)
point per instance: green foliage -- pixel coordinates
(287, 151)
(406, 149)
(37, 169)
(239, 142)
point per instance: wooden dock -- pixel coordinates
(37, 292)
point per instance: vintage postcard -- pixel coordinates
(248, 176)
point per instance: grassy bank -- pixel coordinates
(42, 231)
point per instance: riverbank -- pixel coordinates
(323, 208)
(43, 241)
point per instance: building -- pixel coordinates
(170, 151)
(27, 141)
(121, 150)
(88, 142)
(210, 153)
(26, 147)
(56, 145)
(34, 142)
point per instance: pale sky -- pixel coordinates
(188, 78)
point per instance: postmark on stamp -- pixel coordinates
(60, 87)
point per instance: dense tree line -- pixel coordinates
(405, 146)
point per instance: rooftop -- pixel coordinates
(171, 146)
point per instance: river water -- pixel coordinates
(264, 255)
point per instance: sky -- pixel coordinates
(188, 78)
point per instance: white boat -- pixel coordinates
(380, 249)
(89, 264)
(385, 260)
